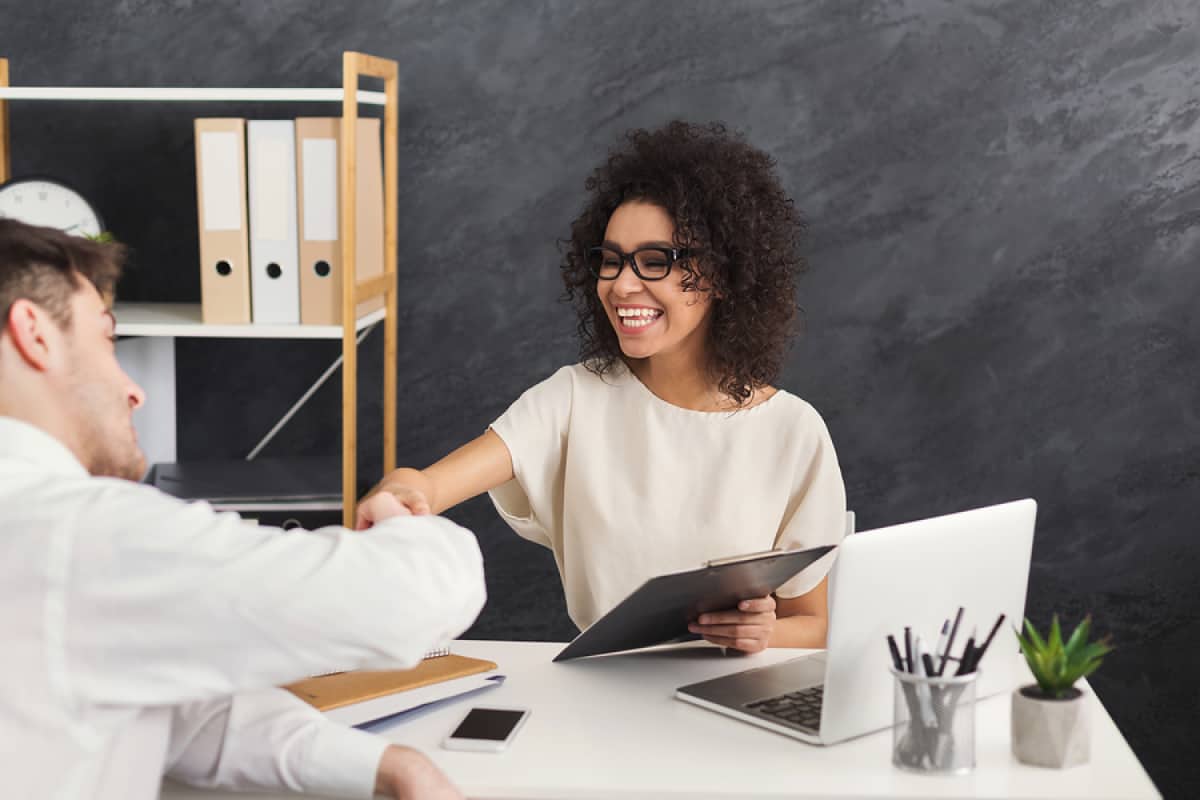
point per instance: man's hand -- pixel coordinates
(747, 628)
(395, 501)
(405, 774)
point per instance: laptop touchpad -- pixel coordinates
(756, 684)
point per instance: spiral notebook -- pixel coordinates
(359, 697)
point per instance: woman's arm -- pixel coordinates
(478, 466)
(802, 621)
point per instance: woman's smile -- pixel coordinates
(636, 319)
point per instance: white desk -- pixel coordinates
(610, 728)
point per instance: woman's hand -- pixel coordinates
(405, 774)
(390, 501)
(478, 466)
(747, 628)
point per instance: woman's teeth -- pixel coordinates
(638, 317)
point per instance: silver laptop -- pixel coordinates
(916, 574)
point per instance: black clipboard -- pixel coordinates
(661, 608)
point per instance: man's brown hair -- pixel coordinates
(44, 265)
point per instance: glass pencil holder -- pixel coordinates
(934, 731)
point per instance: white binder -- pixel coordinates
(274, 253)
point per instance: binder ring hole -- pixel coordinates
(274, 270)
(322, 268)
(224, 268)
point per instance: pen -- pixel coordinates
(940, 650)
(950, 641)
(923, 696)
(927, 660)
(964, 662)
(909, 666)
(891, 640)
(986, 642)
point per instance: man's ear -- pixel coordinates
(33, 333)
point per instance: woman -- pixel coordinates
(666, 445)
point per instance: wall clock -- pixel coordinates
(49, 202)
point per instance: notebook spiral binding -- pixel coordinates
(437, 652)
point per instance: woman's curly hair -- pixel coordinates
(730, 210)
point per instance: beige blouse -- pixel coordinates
(623, 485)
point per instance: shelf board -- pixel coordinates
(185, 94)
(333, 504)
(184, 320)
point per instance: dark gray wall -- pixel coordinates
(1005, 206)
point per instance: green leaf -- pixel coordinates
(1056, 658)
(1025, 644)
(1094, 651)
(1078, 637)
(1055, 641)
(1032, 633)
(1057, 666)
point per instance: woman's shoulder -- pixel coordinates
(797, 413)
(794, 403)
(573, 379)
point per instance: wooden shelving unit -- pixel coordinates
(168, 320)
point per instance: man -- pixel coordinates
(143, 635)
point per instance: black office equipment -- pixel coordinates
(236, 483)
(659, 611)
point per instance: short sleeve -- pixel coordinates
(817, 513)
(534, 429)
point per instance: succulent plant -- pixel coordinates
(1055, 665)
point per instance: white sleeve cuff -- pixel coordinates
(342, 761)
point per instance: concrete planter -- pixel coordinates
(1050, 733)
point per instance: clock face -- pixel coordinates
(41, 201)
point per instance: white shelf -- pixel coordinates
(184, 320)
(184, 94)
(333, 504)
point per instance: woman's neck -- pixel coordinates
(680, 382)
(683, 380)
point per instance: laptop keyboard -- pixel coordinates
(800, 709)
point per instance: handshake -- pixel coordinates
(393, 499)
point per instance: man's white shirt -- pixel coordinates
(142, 635)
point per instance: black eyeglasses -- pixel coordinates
(649, 263)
